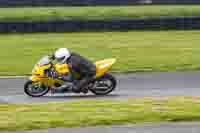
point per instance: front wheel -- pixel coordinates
(104, 85)
(34, 89)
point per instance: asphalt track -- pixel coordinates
(132, 85)
(148, 128)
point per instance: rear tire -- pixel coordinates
(106, 77)
(30, 93)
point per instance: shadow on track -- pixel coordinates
(79, 96)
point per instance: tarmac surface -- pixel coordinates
(148, 128)
(129, 86)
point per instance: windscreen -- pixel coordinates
(43, 61)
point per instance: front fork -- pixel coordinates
(35, 78)
(46, 81)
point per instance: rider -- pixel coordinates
(77, 65)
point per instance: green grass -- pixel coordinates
(135, 51)
(93, 113)
(97, 13)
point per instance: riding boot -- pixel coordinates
(79, 87)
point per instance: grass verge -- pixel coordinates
(93, 113)
(95, 13)
(135, 51)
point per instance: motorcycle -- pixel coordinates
(43, 78)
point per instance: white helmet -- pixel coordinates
(62, 54)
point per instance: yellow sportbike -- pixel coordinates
(43, 80)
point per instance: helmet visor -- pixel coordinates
(60, 60)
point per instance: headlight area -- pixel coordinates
(37, 71)
(34, 69)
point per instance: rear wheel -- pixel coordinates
(34, 89)
(104, 85)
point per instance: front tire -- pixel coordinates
(43, 90)
(108, 88)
